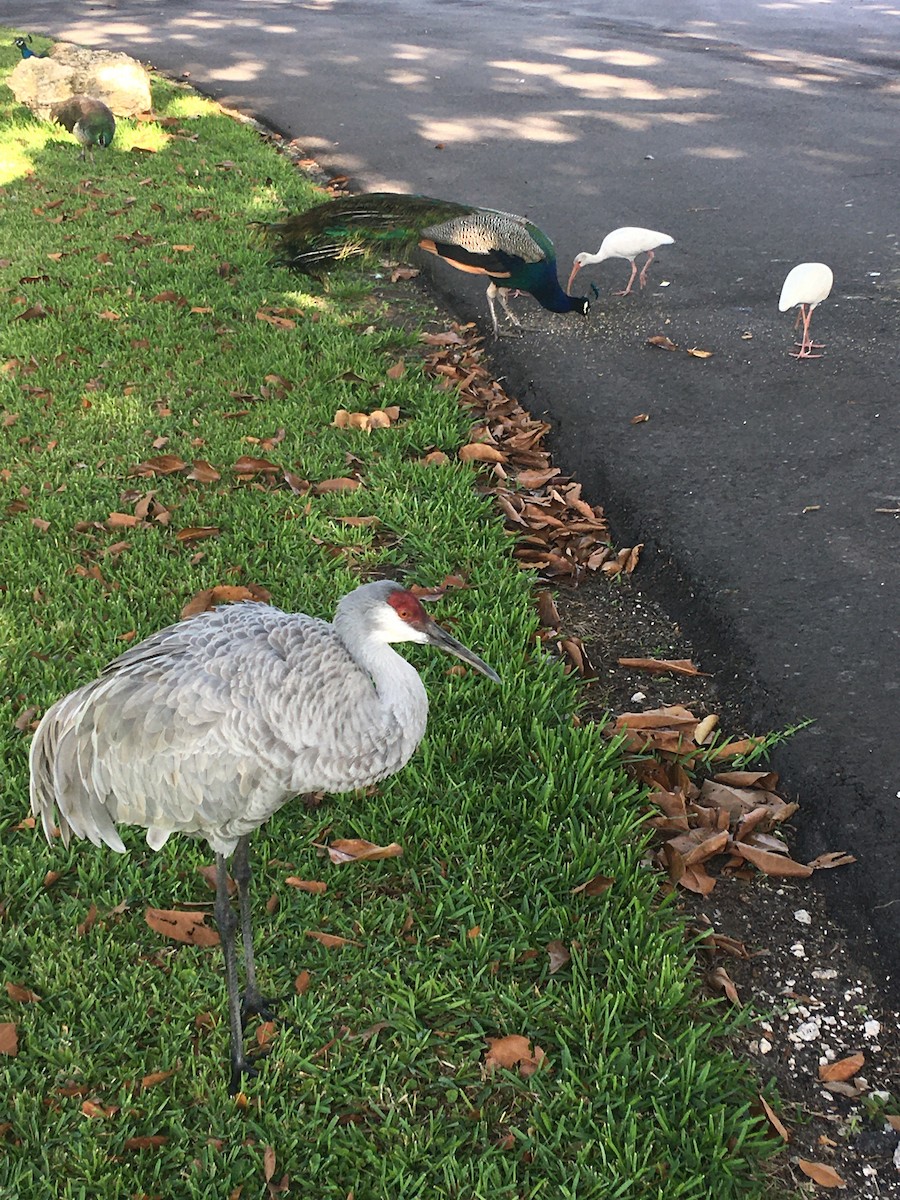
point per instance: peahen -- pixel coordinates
(26, 51)
(510, 251)
(88, 119)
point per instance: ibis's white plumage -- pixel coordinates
(806, 285)
(627, 242)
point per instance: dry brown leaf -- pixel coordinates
(595, 886)
(188, 927)
(246, 465)
(435, 458)
(397, 371)
(331, 940)
(343, 483)
(22, 995)
(88, 923)
(203, 472)
(719, 979)
(774, 1120)
(168, 297)
(343, 850)
(9, 1039)
(844, 1068)
(315, 886)
(674, 666)
(772, 863)
(147, 1141)
(664, 343)
(696, 353)
(92, 1109)
(278, 322)
(36, 312)
(450, 338)
(559, 955)
(833, 858)
(640, 418)
(481, 452)
(301, 983)
(224, 593)
(268, 1163)
(196, 533)
(156, 1077)
(211, 879)
(474, 932)
(511, 1051)
(821, 1174)
(165, 464)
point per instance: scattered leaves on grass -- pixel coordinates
(164, 464)
(719, 979)
(595, 886)
(513, 1051)
(9, 1039)
(22, 995)
(379, 418)
(344, 850)
(210, 598)
(559, 955)
(88, 923)
(98, 1111)
(331, 940)
(824, 1176)
(187, 927)
(774, 1119)
(211, 879)
(195, 533)
(35, 312)
(156, 1077)
(342, 483)
(315, 886)
(148, 1141)
(301, 983)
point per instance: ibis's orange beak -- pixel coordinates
(576, 267)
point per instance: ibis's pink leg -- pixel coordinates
(650, 258)
(807, 344)
(630, 281)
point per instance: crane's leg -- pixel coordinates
(650, 258)
(226, 921)
(630, 281)
(253, 1004)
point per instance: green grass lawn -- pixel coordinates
(145, 339)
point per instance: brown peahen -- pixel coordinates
(89, 119)
(509, 250)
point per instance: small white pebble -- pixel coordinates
(870, 1171)
(764, 1045)
(824, 973)
(803, 916)
(872, 1028)
(878, 1094)
(808, 1031)
(638, 698)
(797, 950)
(897, 1157)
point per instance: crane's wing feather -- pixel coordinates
(207, 727)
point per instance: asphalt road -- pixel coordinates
(759, 135)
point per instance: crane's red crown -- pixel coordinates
(408, 608)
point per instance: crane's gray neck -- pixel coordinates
(397, 683)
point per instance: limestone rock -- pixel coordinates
(117, 79)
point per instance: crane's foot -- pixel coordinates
(254, 1004)
(627, 292)
(810, 345)
(804, 354)
(241, 1068)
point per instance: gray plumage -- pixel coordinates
(89, 119)
(211, 725)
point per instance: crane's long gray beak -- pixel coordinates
(438, 636)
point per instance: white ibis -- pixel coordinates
(627, 242)
(208, 727)
(807, 284)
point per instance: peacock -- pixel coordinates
(26, 51)
(507, 249)
(92, 123)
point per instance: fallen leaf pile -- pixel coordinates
(722, 826)
(557, 532)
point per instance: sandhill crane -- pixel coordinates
(807, 284)
(211, 725)
(627, 242)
